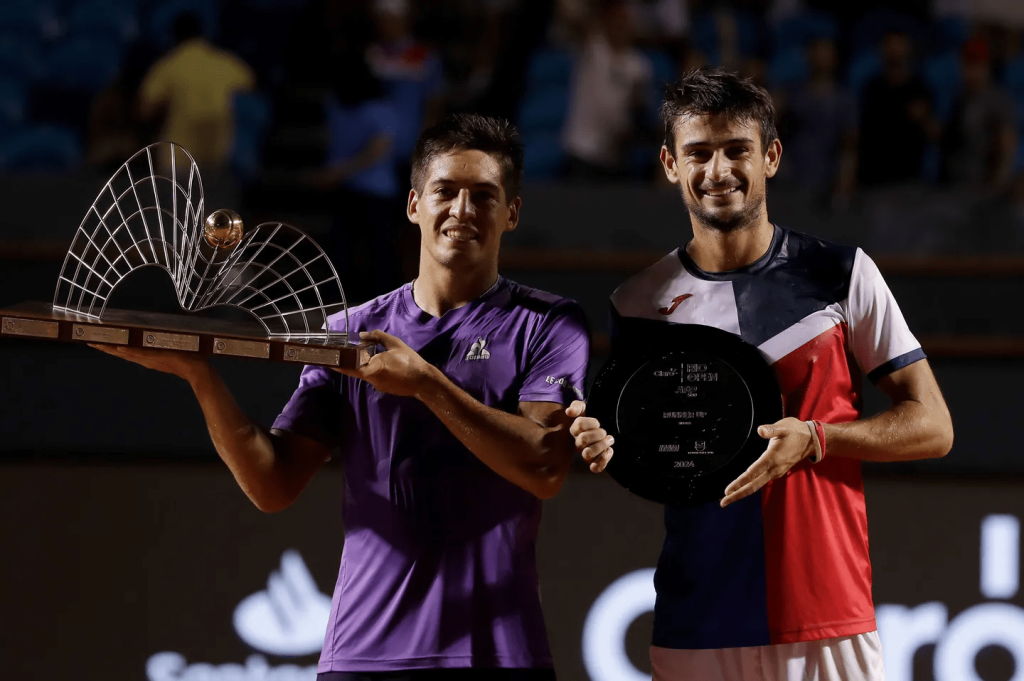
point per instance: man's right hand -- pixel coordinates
(182, 364)
(591, 439)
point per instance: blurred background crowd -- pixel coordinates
(910, 111)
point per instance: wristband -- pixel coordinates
(818, 436)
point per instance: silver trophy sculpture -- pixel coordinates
(151, 213)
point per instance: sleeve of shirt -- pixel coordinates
(878, 334)
(556, 369)
(314, 408)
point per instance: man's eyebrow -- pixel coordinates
(449, 181)
(704, 143)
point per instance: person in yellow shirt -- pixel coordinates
(191, 87)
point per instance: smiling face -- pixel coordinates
(720, 169)
(462, 210)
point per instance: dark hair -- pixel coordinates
(187, 25)
(494, 136)
(717, 91)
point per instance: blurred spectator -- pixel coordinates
(609, 96)
(115, 131)
(896, 118)
(822, 118)
(410, 70)
(979, 142)
(191, 89)
(660, 23)
(360, 173)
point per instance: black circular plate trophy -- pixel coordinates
(684, 407)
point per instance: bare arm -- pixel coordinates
(916, 426)
(272, 468)
(532, 449)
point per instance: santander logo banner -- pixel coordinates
(288, 619)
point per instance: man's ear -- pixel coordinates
(668, 164)
(772, 157)
(514, 209)
(411, 207)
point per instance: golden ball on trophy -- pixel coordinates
(223, 228)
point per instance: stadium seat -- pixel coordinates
(83, 63)
(544, 111)
(543, 157)
(252, 119)
(21, 58)
(864, 66)
(944, 77)
(549, 67)
(29, 18)
(41, 149)
(104, 18)
(788, 68)
(13, 104)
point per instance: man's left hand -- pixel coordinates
(789, 441)
(398, 371)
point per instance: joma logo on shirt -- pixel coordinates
(478, 351)
(675, 303)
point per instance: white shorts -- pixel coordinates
(850, 658)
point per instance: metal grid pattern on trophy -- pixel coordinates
(147, 214)
(282, 277)
(150, 213)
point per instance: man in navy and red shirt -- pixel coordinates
(773, 583)
(450, 438)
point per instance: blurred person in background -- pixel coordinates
(115, 131)
(821, 120)
(410, 70)
(896, 120)
(361, 176)
(609, 96)
(979, 143)
(190, 90)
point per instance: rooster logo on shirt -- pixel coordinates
(477, 350)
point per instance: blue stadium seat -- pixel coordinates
(41, 149)
(29, 18)
(252, 119)
(21, 58)
(544, 111)
(864, 66)
(104, 18)
(543, 157)
(160, 24)
(13, 104)
(944, 77)
(83, 63)
(800, 29)
(1013, 75)
(788, 68)
(549, 67)
(662, 66)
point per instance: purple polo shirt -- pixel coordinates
(439, 565)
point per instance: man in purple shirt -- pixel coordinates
(450, 438)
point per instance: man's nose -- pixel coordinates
(719, 168)
(462, 208)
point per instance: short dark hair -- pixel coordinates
(717, 91)
(494, 136)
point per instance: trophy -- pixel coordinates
(684, 406)
(152, 213)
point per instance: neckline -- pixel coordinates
(728, 275)
(451, 316)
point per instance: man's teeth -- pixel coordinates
(720, 192)
(459, 235)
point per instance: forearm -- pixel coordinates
(907, 431)
(246, 448)
(532, 456)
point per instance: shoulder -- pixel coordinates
(639, 289)
(817, 256)
(371, 314)
(543, 304)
